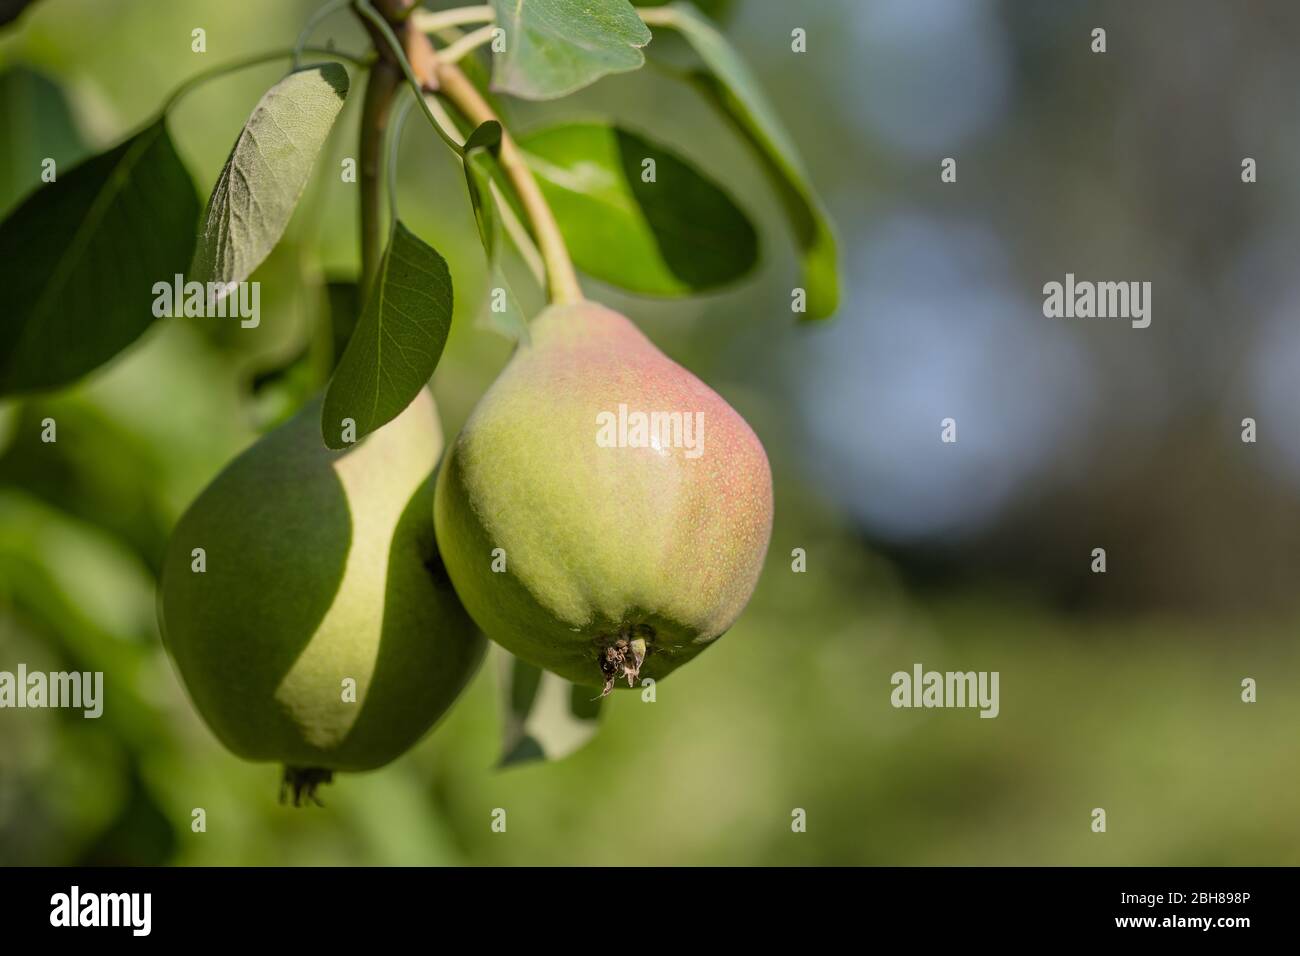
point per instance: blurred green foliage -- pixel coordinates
(1137, 711)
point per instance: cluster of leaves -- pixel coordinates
(82, 255)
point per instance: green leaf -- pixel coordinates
(675, 236)
(547, 718)
(503, 312)
(79, 259)
(267, 172)
(482, 148)
(35, 124)
(554, 47)
(729, 83)
(397, 341)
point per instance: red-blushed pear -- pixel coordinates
(603, 514)
(316, 627)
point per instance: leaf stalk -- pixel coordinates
(257, 59)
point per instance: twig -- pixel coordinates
(452, 52)
(431, 21)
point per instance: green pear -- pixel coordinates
(589, 531)
(317, 626)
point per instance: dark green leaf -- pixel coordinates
(481, 149)
(546, 718)
(554, 47)
(35, 124)
(735, 90)
(397, 342)
(267, 172)
(674, 236)
(80, 257)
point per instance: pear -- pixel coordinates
(304, 603)
(582, 533)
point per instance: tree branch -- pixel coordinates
(381, 88)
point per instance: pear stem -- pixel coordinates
(431, 21)
(381, 89)
(562, 279)
(454, 52)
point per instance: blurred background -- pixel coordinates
(1118, 690)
